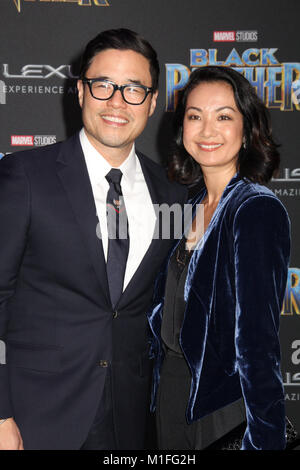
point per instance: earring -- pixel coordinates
(244, 143)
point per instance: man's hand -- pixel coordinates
(10, 437)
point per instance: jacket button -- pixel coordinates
(103, 363)
(115, 314)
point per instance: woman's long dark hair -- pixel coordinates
(258, 159)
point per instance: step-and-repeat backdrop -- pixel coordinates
(40, 46)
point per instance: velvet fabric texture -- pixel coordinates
(234, 293)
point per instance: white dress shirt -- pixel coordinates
(139, 208)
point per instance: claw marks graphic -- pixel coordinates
(81, 3)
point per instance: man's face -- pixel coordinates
(113, 125)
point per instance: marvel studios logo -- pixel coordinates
(235, 36)
(32, 140)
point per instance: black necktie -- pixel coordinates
(118, 239)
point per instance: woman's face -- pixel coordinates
(213, 125)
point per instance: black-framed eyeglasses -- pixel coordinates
(104, 89)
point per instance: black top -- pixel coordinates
(213, 426)
(174, 306)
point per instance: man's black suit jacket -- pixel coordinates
(56, 316)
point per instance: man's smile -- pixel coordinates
(115, 120)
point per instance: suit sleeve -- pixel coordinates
(14, 216)
(261, 256)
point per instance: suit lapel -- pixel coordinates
(72, 171)
(158, 196)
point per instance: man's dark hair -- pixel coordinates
(259, 159)
(121, 39)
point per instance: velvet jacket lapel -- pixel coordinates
(215, 222)
(199, 292)
(227, 194)
(72, 171)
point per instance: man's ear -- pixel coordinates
(153, 103)
(80, 88)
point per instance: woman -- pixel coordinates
(217, 302)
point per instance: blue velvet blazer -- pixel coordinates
(234, 293)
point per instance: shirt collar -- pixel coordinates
(95, 159)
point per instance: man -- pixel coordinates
(73, 300)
